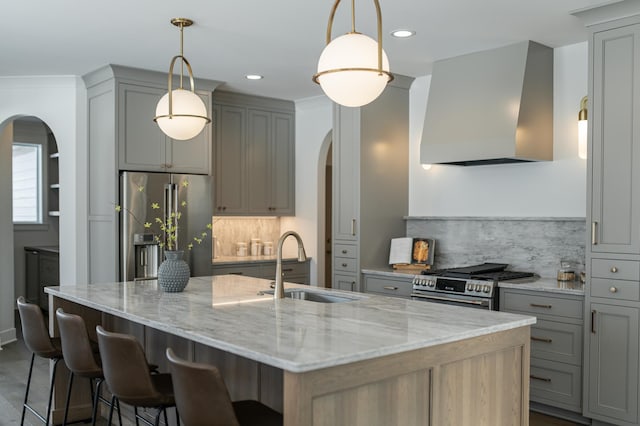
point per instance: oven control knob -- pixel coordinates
(477, 287)
(486, 289)
(469, 287)
(425, 282)
(431, 283)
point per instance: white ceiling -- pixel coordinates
(280, 39)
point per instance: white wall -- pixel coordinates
(545, 189)
(60, 102)
(313, 121)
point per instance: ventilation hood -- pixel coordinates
(491, 107)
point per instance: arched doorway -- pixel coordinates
(30, 183)
(325, 195)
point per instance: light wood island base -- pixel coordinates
(477, 381)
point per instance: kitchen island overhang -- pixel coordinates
(328, 353)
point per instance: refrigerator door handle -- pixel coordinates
(170, 205)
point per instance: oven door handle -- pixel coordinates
(448, 299)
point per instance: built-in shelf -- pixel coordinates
(54, 213)
(54, 186)
(54, 155)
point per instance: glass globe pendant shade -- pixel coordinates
(348, 70)
(188, 115)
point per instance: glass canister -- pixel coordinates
(567, 271)
(241, 249)
(268, 248)
(256, 247)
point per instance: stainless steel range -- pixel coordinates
(472, 286)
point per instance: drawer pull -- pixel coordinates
(594, 229)
(536, 305)
(235, 273)
(612, 289)
(541, 339)
(287, 270)
(614, 269)
(389, 287)
(542, 379)
(344, 251)
(344, 265)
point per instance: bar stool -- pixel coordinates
(37, 339)
(79, 357)
(127, 374)
(203, 398)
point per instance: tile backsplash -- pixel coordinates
(231, 230)
(526, 244)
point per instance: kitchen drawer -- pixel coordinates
(556, 384)
(387, 286)
(346, 250)
(344, 264)
(247, 270)
(615, 289)
(557, 341)
(541, 305)
(615, 269)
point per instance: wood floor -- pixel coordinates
(14, 367)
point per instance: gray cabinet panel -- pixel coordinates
(254, 156)
(144, 147)
(615, 289)
(557, 384)
(345, 282)
(556, 341)
(388, 286)
(346, 161)
(541, 305)
(615, 269)
(613, 362)
(615, 208)
(230, 160)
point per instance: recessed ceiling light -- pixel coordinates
(253, 77)
(403, 33)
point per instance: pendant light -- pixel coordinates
(180, 113)
(353, 69)
(582, 128)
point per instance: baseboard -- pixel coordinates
(7, 336)
(559, 412)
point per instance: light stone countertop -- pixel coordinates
(390, 273)
(550, 285)
(227, 312)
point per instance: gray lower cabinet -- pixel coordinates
(613, 362)
(42, 269)
(369, 199)
(292, 270)
(387, 286)
(254, 155)
(556, 345)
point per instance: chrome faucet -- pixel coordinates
(302, 256)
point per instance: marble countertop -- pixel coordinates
(228, 312)
(550, 285)
(390, 272)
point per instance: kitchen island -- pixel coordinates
(369, 360)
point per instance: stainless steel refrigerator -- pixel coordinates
(140, 253)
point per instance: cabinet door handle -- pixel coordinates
(353, 227)
(536, 305)
(613, 289)
(542, 379)
(614, 269)
(344, 265)
(344, 252)
(390, 287)
(541, 339)
(593, 321)
(594, 230)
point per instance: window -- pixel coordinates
(27, 183)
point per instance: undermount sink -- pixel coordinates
(314, 296)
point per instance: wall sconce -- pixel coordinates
(353, 70)
(582, 129)
(180, 113)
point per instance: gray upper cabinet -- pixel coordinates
(144, 147)
(615, 154)
(370, 183)
(254, 152)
